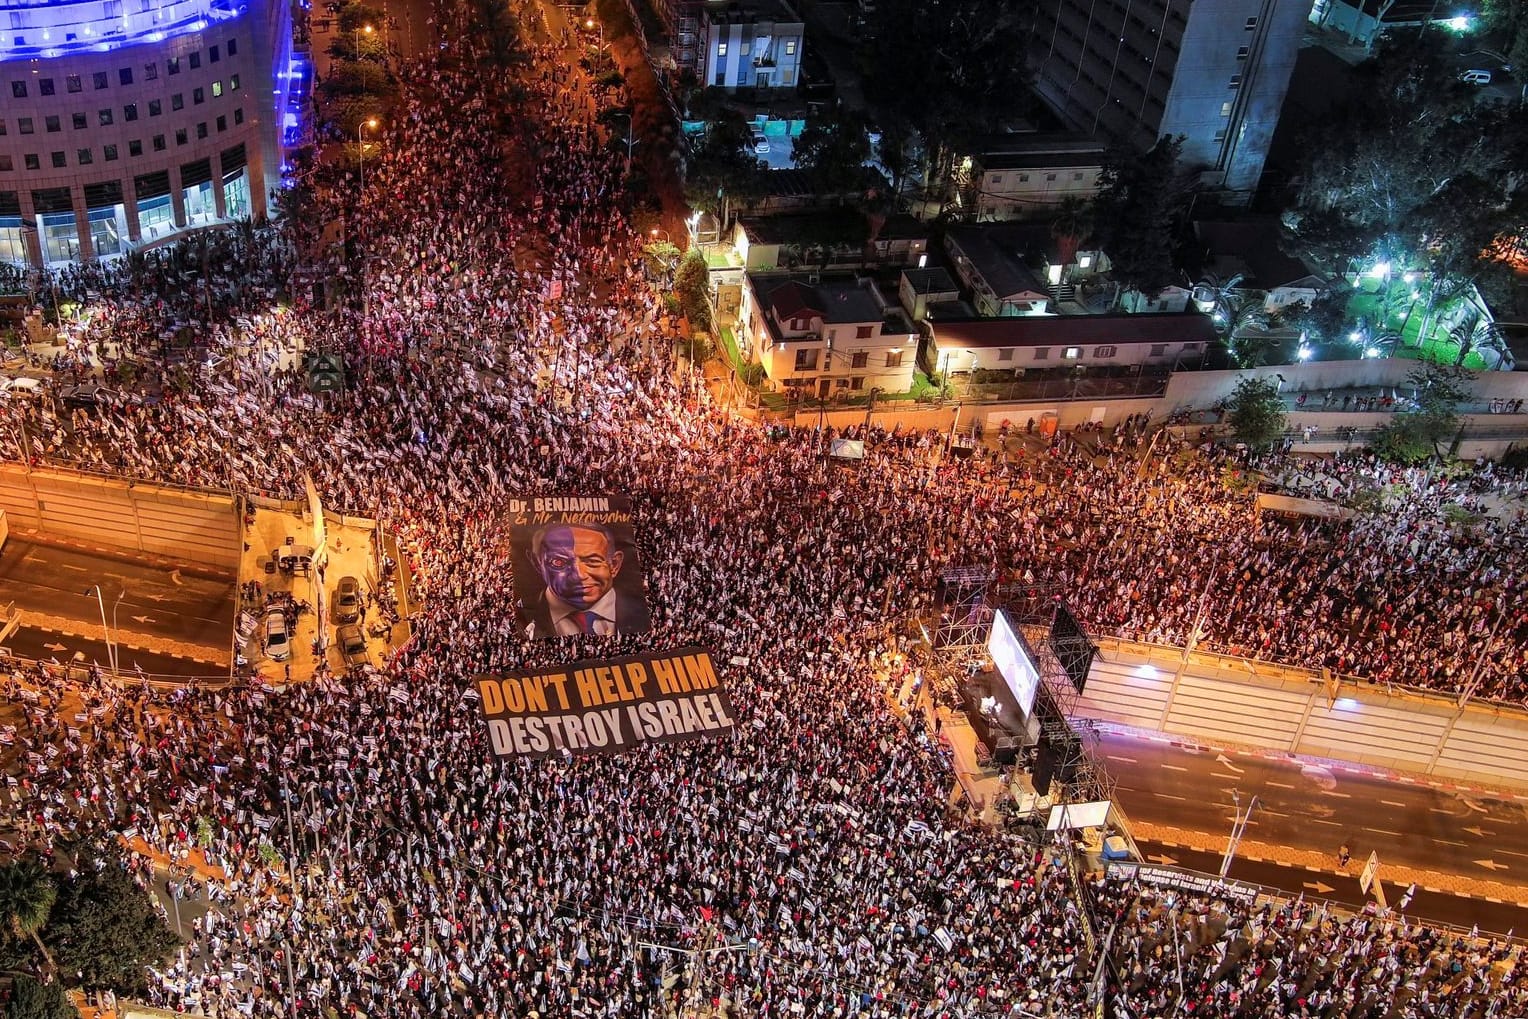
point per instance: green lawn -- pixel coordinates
(1405, 317)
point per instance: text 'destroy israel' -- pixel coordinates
(606, 706)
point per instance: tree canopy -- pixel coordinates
(33, 1000)
(833, 148)
(952, 70)
(1257, 412)
(1417, 433)
(721, 161)
(1415, 170)
(1141, 200)
(105, 929)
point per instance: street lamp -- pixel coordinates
(370, 122)
(591, 24)
(1238, 829)
(111, 647)
(359, 29)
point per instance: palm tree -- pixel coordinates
(26, 898)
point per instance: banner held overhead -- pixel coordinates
(606, 706)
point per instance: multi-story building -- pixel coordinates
(1214, 71)
(752, 45)
(817, 336)
(1030, 175)
(122, 124)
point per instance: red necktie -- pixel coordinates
(585, 621)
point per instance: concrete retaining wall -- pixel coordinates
(188, 526)
(1260, 704)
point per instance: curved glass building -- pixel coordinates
(125, 122)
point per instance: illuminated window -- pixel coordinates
(233, 83)
(1225, 108)
(1071, 353)
(893, 359)
(790, 47)
(217, 89)
(721, 51)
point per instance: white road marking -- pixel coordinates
(1446, 842)
(1169, 796)
(1392, 803)
(1504, 852)
(1333, 792)
(1126, 760)
(1173, 767)
(1222, 774)
(1381, 831)
(1322, 820)
(1279, 785)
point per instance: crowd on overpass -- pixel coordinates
(378, 859)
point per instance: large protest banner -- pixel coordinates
(575, 566)
(606, 706)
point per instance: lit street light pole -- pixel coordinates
(370, 122)
(1238, 829)
(111, 646)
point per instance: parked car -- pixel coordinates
(353, 645)
(760, 144)
(278, 642)
(293, 558)
(347, 600)
(22, 386)
(1476, 76)
(88, 396)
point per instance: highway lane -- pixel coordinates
(44, 645)
(1342, 888)
(1316, 807)
(157, 603)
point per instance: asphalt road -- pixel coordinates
(1305, 806)
(43, 645)
(1342, 888)
(155, 603)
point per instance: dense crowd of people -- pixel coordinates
(377, 859)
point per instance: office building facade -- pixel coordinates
(126, 122)
(1214, 71)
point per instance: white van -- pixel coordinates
(1476, 77)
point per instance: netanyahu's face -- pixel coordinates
(579, 565)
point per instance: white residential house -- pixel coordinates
(1062, 341)
(820, 336)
